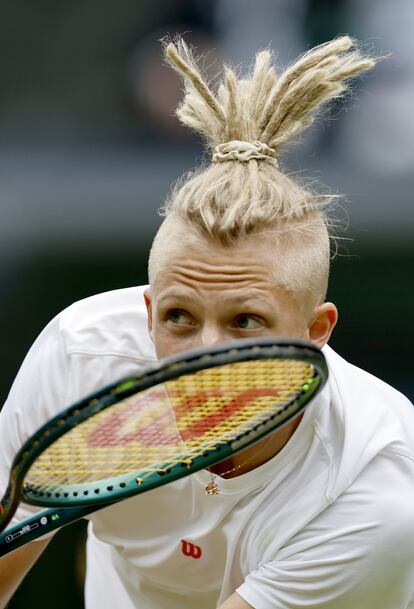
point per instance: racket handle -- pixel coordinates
(42, 523)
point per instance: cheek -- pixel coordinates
(167, 343)
(161, 341)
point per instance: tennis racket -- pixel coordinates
(178, 416)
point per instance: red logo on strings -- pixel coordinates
(161, 429)
(190, 549)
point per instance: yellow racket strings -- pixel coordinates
(170, 423)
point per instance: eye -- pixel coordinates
(179, 317)
(247, 322)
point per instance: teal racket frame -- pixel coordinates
(69, 503)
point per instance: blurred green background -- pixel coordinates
(89, 147)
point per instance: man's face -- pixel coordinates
(211, 293)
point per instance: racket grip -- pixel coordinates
(36, 526)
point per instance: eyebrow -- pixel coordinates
(175, 295)
(251, 298)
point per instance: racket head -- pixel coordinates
(178, 416)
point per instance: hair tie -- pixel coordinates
(237, 150)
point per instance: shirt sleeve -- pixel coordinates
(38, 393)
(358, 553)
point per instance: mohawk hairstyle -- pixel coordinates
(233, 199)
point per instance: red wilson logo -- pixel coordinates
(160, 429)
(190, 549)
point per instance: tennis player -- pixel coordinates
(319, 514)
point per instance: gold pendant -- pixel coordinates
(211, 488)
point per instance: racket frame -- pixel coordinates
(66, 507)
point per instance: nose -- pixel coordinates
(211, 334)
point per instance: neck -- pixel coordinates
(258, 454)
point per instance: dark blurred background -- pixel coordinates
(89, 147)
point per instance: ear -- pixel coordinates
(323, 321)
(148, 304)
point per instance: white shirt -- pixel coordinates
(328, 522)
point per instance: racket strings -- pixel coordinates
(171, 423)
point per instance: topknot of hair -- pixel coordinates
(262, 105)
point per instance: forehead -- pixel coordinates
(217, 281)
(212, 274)
(293, 261)
(205, 261)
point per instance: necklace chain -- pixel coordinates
(212, 487)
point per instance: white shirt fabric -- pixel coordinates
(328, 522)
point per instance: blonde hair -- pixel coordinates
(245, 123)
